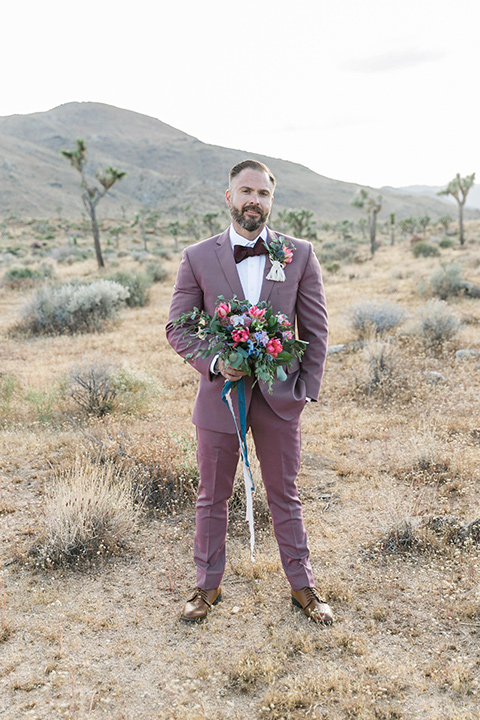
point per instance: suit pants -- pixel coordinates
(278, 445)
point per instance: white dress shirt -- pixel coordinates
(250, 270)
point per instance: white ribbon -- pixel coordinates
(247, 477)
(276, 273)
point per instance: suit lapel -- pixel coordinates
(267, 285)
(227, 263)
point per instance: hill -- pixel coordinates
(473, 198)
(167, 169)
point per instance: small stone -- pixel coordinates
(433, 377)
(235, 610)
(466, 354)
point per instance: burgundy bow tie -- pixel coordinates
(240, 252)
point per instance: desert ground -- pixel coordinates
(389, 482)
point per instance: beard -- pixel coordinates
(249, 223)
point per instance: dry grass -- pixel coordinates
(389, 483)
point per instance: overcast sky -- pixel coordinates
(377, 92)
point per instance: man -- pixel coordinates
(207, 270)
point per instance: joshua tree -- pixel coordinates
(91, 194)
(458, 188)
(445, 221)
(299, 221)
(392, 228)
(210, 220)
(372, 206)
(424, 222)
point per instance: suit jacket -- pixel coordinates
(208, 270)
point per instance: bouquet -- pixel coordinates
(251, 338)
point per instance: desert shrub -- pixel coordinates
(21, 277)
(447, 281)
(157, 271)
(72, 308)
(376, 318)
(338, 252)
(437, 325)
(138, 286)
(99, 388)
(446, 243)
(382, 375)
(90, 513)
(134, 389)
(91, 387)
(162, 466)
(425, 249)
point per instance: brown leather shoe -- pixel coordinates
(199, 604)
(314, 606)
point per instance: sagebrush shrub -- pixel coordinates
(72, 308)
(437, 325)
(376, 318)
(157, 271)
(22, 277)
(447, 281)
(138, 286)
(425, 249)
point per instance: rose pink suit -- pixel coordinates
(208, 270)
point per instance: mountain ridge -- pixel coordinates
(167, 169)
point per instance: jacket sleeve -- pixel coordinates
(312, 325)
(187, 295)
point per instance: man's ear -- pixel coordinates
(227, 197)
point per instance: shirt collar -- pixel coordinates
(237, 239)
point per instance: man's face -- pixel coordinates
(250, 200)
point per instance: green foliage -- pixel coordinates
(446, 243)
(138, 285)
(447, 281)
(445, 221)
(299, 222)
(72, 308)
(375, 318)
(21, 277)
(156, 271)
(437, 325)
(459, 188)
(425, 249)
(100, 389)
(8, 385)
(408, 225)
(43, 403)
(134, 390)
(211, 222)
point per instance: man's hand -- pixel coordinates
(228, 372)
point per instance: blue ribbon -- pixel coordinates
(242, 410)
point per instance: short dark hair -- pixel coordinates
(253, 165)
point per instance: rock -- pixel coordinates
(433, 377)
(336, 349)
(466, 354)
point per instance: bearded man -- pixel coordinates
(236, 263)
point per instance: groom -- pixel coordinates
(236, 263)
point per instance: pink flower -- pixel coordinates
(256, 312)
(288, 254)
(274, 347)
(240, 335)
(287, 335)
(223, 309)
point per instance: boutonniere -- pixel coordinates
(280, 252)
